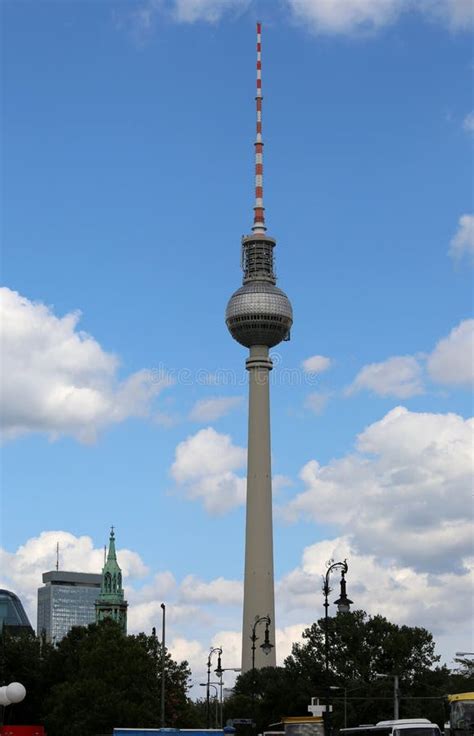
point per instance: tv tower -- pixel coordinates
(258, 316)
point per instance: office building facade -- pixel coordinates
(66, 599)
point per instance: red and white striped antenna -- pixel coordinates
(259, 209)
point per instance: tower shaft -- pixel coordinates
(259, 592)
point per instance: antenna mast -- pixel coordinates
(57, 556)
(259, 209)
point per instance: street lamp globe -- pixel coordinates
(3, 696)
(15, 692)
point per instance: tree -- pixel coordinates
(268, 694)
(96, 678)
(362, 646)
(24, 659)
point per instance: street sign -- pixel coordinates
(242, 721)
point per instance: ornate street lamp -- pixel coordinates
(9, 695)
(209, 659)
(343, 604)
(215, 686)
(266, 648)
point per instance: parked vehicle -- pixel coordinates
(400, 727)
(461, 715)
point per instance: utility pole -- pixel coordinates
(163, 650)
(396, 698)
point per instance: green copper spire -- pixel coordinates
(111, 602)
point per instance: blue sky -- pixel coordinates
(127, 169)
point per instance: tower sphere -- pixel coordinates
(259, 313)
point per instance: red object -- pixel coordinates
(22, 731)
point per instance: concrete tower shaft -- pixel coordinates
(259, 316)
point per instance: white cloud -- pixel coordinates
(403, 495)
(452, 360)
(204, 467)
(143, 18)
(22, 570)
(58, 380)
(462, 243)
(366, 16)
(210, 611)
(208, 410)
(346, 16)
(393, 590)
(316, 402)
(210, 11)
(400, 376)
(450, 363)
(468, 122)
(316, 364)
(220, 590)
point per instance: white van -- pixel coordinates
(400, 727)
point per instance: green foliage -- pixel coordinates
(360, 646)
(98, 678)
(268, 694)
(95, 679)
(24, 659)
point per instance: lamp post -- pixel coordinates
(214, 685)
(344, 689)
(343, 604)
(11, 694)
(396, 694)
(220, 672)
(266, 648)
(209, 660)
(163, 645)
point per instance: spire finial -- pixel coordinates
(112, 555)
(259, 209)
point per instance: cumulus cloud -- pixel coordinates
(452, 360)
(204, 467)
(403, 494)
(462, 243)
(396, 591)
(208, 410)
(58, 380)
(22, 570)
(450, 363)
(220, 590)
(209, 611)
(316, 364)
(400, 376)
(368, 16)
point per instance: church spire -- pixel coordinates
(112, 555)
(111, 602)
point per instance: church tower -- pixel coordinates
(111, 602)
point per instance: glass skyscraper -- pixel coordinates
(12, 614)
(66, 599)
